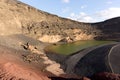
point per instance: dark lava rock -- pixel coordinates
(68, 77)
(106, 76)
(61, 78)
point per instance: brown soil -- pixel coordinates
(12, 67)
(12, 71)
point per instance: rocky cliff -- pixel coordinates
(110, 29)
(19, 18)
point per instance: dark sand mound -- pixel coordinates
(94, 60)
(114, 58)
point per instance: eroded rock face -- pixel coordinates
(50, 39)
(19, 18)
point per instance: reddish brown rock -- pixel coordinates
(106, 76)
(85, 78)
(61, 78)
(69, 77)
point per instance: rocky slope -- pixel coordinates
(24, 28)
(110, 29)
(13, 67)
(19, 18)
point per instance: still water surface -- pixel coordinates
(70, 48)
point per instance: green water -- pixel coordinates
(70, 48)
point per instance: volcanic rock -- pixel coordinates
(19, 18)
(106, 76)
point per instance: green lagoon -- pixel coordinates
(70, 48)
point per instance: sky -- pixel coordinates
(79, 10)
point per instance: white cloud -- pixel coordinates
(83, 6)
(96, 16)
(82, 17)
(108, 13)
(66, 1)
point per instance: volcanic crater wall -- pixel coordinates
(19, 18)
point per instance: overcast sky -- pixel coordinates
(80, 10)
